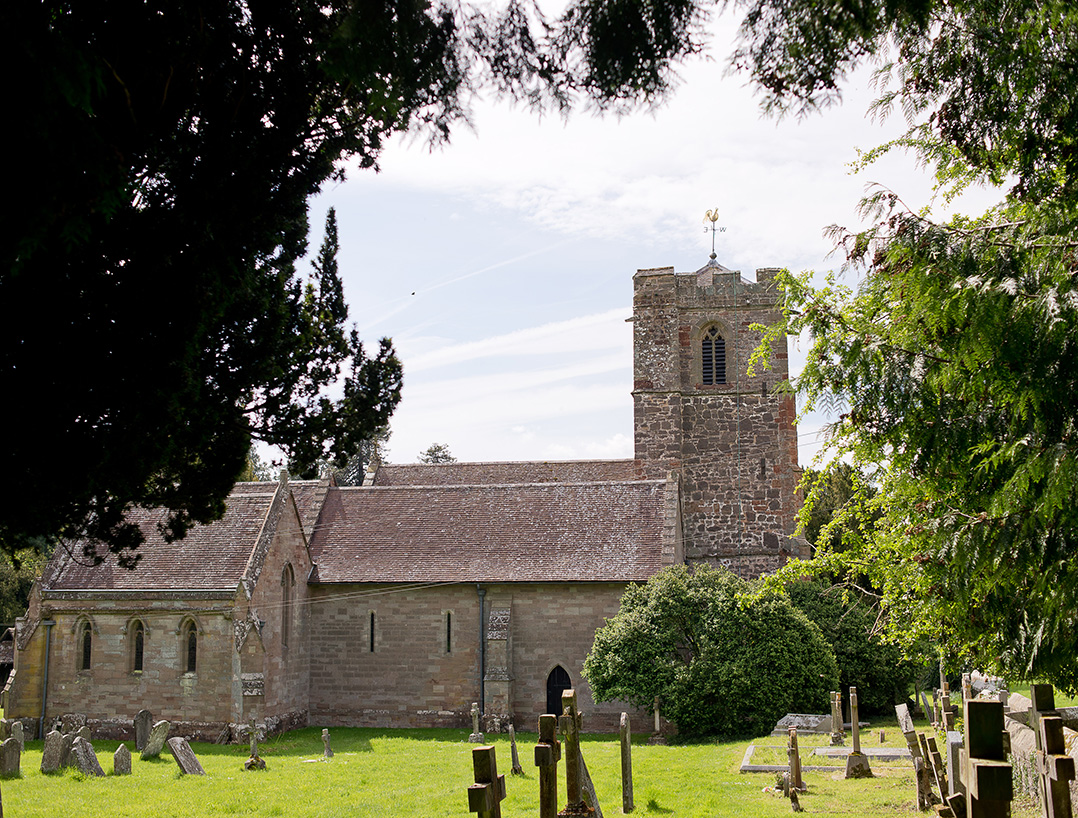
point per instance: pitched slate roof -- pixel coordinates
(538, 471)
(538, 532)
(211, 557)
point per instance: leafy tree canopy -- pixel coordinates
(721, 661)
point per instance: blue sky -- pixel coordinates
(501, 265)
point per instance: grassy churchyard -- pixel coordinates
(425, 773)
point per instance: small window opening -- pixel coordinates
(448, 632)
(87, 644)
(191, 642)
(139, 648)
(713, 357)
(287, 580)
(372, 632)
(763, 467)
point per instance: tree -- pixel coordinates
(17, 574)
(257, 470)
(838, 510)
(437, 453)
(721, 661)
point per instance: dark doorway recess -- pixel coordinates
(557, 682)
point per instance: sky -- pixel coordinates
(501, 265)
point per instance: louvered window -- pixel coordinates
(713, 357)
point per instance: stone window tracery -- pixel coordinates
(85, 645)
(712, 357)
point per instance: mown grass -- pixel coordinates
(1061, 699)
(425, 773)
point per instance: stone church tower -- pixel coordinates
(729, 437)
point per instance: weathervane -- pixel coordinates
(713, 216)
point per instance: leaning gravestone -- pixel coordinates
(143, 723)
(121, 761)
(52, 756)
(155, 742)
(83, 733)
(185, 757)
(10, 755)
(66, 758)
(85, 758)
(18, 734)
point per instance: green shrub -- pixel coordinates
(721, 663)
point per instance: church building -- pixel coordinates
(401, 602)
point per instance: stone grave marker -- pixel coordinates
(626, 736)
(83, 732)
(925, 798)
(954, 764)
(657, 737)
(121, 761)
(18, 734)
(52, 756)
(185, 757)
(987, 773)
(934, 762)
(476, 737)
(547, 756)
(838, 734)
(569, 723)
(587, 790)
(85, 758)
(517, 769)
(143, 723)
(794, 759)
(66, 757)
(857, 765)
(1054, 767)
(155, 742)
(327, 751)
(10, 758)
(485, 796)
(254, 761)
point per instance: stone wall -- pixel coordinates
(411, 680)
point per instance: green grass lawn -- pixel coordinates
(425, 773)
(1061, 699)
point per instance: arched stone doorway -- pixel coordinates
(557, 682)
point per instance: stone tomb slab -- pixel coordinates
(749, 766)
(882, 753)
(185, 757)
(806, 723)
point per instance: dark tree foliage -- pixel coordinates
(850, 622)
(152, 319)
(17, 574)
(839, 496)
(722, 662)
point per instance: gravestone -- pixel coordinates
(794, 759)
(155, 742)
(52, 756)
(657, 737)
(185, 756)
(857, 765)
(547, 756)
(18, 734)
(626, 735)
(587, 790)
(1054, 767)
(121, 761)
(838, 734)
(10, 758)
(66, 758)
(485, 796)
(987, 773)
(569, 723)
(517, 769)
(254, 761)
(954, 764)
(327, 751)
(476, 737)
(143, 723)
(82, 752)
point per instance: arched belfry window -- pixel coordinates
(712, 357)
(556, 683)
